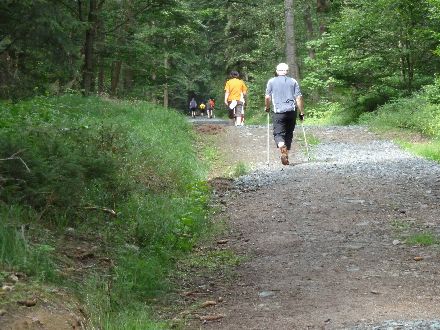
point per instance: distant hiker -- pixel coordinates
(285, 95)
(202, 108)
(235, 94)
(193, 107)
(210, 107)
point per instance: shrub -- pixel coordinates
(432, 92)
(409, 113)
(72, 161)
(17, 252)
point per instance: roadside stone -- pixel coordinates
(7, 288)
(70, 231)
(28, 302)
(208, 303)
(13, 278)
(266, 294)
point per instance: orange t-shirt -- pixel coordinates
(235, 87)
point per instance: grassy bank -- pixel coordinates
(415, 121)
(100, 197)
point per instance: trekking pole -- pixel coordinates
(305, 140)
(268, 132)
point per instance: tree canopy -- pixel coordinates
(169, 50)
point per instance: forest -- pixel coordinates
(93, 91)
(350, 53)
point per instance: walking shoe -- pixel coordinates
(284, 155)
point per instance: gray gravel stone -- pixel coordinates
(372, 159)
(401, 325)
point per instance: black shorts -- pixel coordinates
(283, 127)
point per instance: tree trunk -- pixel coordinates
(309, 27)
(128, 78)
(322, 6)
(88, 67)
(165, 86)
(151, 89)
(116, 73)
(290, 39)
(410, 67)
(101, 78)
(100, 38)
(5, 69)
(165, 95)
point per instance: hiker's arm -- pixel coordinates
(300, 104)
(267, 100)
(226, 97)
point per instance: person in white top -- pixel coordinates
(284, 94)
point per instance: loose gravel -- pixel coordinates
(397, 185)
(401, 325)
(379, 159)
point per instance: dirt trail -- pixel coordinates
(325, 244)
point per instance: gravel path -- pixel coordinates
(325, 240)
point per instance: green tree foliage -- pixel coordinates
(435, 16)
(39, 47)
(379, 50)
(162, 51)
(150, 49)
(168, 51)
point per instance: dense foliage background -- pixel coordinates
(360, 53)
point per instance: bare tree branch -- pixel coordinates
(15, 157)
(103, 209)
(140, 11)
(72, 9)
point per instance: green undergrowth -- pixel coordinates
(317, 114)
(428, 150)
(416, 115)
(210, 263)
(422, 239)
(238, 170)
(311, 139)
(16, 250)
(329, 113)
(120, 179)
(216, 260)
(413, 234)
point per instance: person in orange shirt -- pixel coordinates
(210, 107)
(235, 93)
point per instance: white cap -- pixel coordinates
(282, 67)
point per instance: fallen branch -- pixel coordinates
(15, 157)
(103, 209)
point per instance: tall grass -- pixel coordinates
(423, 239)
(429, 150)
(415, 114)
(16, 251)
(330, 113)
(123, 174)
(419, 114)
